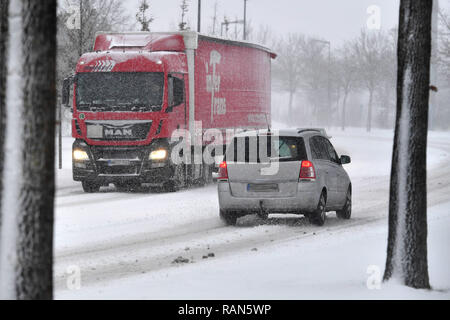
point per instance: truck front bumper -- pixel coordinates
(119, 164)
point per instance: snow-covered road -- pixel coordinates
(112, 236)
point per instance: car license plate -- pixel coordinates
(262, 187)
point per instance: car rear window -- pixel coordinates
(261, 148)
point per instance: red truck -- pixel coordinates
(134, 89)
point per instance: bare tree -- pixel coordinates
(263, 34)
(97, 15)
(385, 91)
(3, 44)
(184, 9)
(444, 45)
(407, 240)
(27, 231)
(141, 16)
(288, 67)
(314, 78)
(346, 76)
(440, 112)
(370, 51)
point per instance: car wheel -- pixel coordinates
(346, 211)
(318, 217)
(228, 217)
(90, 187)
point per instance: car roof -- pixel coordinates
(290, 132)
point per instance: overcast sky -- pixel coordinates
(334, 20)
(330, 19)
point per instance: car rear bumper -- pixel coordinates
(305, 200)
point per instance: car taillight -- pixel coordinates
(307, 170)
(223, 172)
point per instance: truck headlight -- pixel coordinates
(159, 154)
(80, 155)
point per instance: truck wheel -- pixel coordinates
(90, 187)
(127, 186)
(120, 186)
(346, 211)
(228, 217)
(263, 215)
(318, 217)
(177, 181)
(206, 175)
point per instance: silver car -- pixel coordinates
(298, 172)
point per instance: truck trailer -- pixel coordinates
(135, 89)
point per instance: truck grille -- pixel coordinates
(118, 160)
(118, 130)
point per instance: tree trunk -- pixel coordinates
(344, 102)
(290, 114)
(369, 111)
(407, 239)
(3, 43)
(27, 245)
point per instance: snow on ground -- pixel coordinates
(331, 265)
(124, 243)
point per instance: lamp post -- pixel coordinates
(327, 43)
(80, 48)
(199, 15)
(245, 19)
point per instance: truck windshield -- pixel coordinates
(120, 91)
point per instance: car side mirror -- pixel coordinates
(345, 159)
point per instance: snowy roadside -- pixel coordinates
(329, 265)
(114, 237)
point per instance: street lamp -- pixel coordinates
(327, 43)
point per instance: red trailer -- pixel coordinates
(135, 89)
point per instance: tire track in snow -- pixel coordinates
(147, 252)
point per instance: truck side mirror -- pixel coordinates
(176, 92)
(67, 83)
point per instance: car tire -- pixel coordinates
(90, 187)
(229, 218)
(318, 217)
(346, 211)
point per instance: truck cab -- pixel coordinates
(128, 97)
